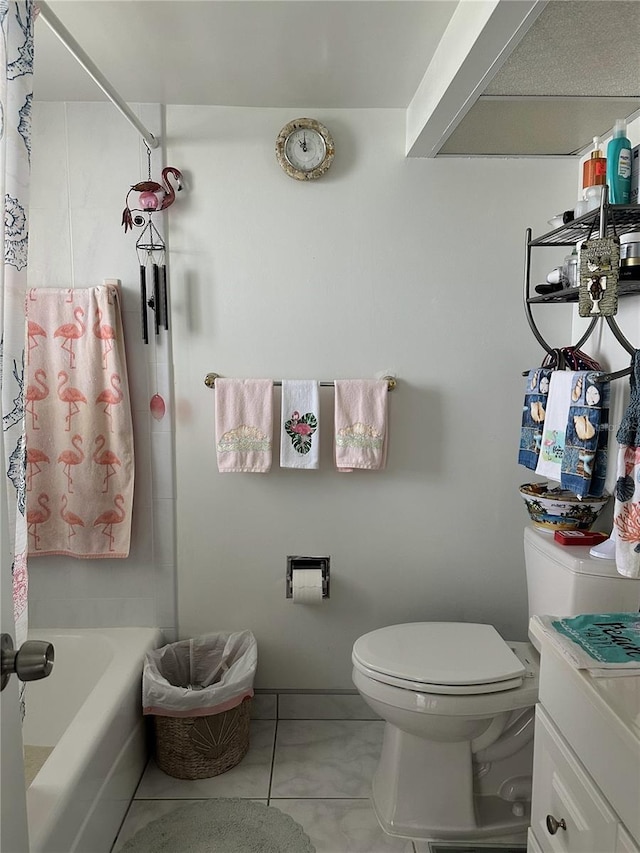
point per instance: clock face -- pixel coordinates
(304, 149)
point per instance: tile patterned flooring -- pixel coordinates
(312, 756)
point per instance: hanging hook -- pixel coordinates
(148, 159)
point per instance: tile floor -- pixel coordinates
(311, 756)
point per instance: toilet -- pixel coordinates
(458, 704)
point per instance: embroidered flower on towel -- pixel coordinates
(360, 436)
(242, 439)
(300, 430)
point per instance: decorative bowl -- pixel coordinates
(559, 509)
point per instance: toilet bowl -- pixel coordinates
(457, 701)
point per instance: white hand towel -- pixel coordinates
(555, 425)
(300, 433)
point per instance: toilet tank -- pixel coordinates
(565, 580)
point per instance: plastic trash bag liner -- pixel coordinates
(206, 675)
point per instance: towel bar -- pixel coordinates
(210, 381)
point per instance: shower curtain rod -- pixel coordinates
(93, 71)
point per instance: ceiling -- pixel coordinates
(478, 77)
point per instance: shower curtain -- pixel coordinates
(16, 94)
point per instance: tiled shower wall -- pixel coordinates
(84, 159)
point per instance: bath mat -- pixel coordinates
(465, 848)
(222, 826)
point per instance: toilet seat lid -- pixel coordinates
(461, 656)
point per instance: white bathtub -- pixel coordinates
(90, 711)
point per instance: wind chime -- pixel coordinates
(150, 246)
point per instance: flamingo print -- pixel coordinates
(107, 519)
(34, 331)
(111, 397)
(69, 458)
(107, 335)
(34, 457)
(551, 439)
(70, 518)
(106, 458)
(70, 396)
(38, 516)
(71, 332)
(35, 393)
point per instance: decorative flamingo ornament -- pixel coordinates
(152, 197)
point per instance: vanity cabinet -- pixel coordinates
(568, 811)
(586, 768)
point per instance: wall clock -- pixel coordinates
(304, 149)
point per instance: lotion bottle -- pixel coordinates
(594, 170)
(619, 164)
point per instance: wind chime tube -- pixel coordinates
(165, 298)
(156, 298)
(143, 303)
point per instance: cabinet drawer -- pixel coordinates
(562, 789)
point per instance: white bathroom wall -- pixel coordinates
(84, 159)
(385, 264)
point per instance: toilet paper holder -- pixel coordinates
(295, 562)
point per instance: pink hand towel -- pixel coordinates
(361, 424)
(244, 425)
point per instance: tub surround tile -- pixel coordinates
(325, 758)
(313, 706)
(342, 826)
(137, 369)
(50, 262)
(248, 779)
(164, 540)
(97, 135)
(49, 131)
(162, 466)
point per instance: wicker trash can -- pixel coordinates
(201, 747)
(198, 693)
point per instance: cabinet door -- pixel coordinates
(564, 793)
(532, 843)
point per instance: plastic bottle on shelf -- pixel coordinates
(594, 170)
(593, 196)
(570, 269)
(618, 172)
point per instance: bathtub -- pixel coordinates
(90, 711)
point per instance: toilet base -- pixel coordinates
(425, 790)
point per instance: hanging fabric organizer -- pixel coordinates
(609, 220)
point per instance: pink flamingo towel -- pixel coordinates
(361, 425)
(244, 425)
(80, 465)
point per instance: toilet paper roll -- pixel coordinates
(307, 586)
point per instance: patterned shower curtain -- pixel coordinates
(16, 95)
